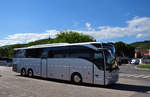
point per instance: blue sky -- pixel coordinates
(22, 21)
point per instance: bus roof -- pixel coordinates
(57, 44)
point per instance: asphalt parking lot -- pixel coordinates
(13, 85)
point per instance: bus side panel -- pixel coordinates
(62, 68)
(32, 63)
(58, 68)
(82, 66)
(18, 63)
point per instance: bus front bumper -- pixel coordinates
(112, 78)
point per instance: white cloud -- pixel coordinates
(138, 27)
(52, 33)
(27, 37)
(8, 42)
(88, 26)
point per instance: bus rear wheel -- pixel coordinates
(23, 72)
(76, 78)
(30, 73)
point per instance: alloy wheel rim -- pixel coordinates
(77, 79)
(23, 72)
(30, 73)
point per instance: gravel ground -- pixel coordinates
(13, 85)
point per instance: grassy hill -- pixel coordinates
(142, 44)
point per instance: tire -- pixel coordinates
(23, 72)
(76, 78)
(30, 73)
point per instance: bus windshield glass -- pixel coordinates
(110, 61)
(110, 47)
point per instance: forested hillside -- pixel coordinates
(142, 44)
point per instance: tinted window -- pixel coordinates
(34, 53)
(57, 52)
(80, 52)
(98, 56)
(81, 55)
(45, 52)
(70, 51)
(98, 45)
(59, 55)
(79, 49)
(110, 47)
(19, 53)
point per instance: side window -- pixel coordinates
(80, 55)
(98, 45)
(19, 53)
(50, 54)
(16, 53)
(59, 56)
(57, 52)
(44, 53)
(98, 56)
(28, 53)
(80, 52)
(34, 53)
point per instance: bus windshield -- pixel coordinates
(110, 47)
(110, 61)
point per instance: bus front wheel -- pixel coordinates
(76, 78)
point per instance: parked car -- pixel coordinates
(5, 62)
(135, 61)
(122, 60)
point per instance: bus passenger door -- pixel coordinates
(98, 76)
(98, 68)
(44, 67)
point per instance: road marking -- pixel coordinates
(139, 76)
(146, 77)
(135, 75)
(131, 75)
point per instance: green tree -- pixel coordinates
(4, 52)
(7, 51)
(130, 51)
(120, 48)
(123, 49)
(72, 37)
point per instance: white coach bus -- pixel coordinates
(90, 62)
